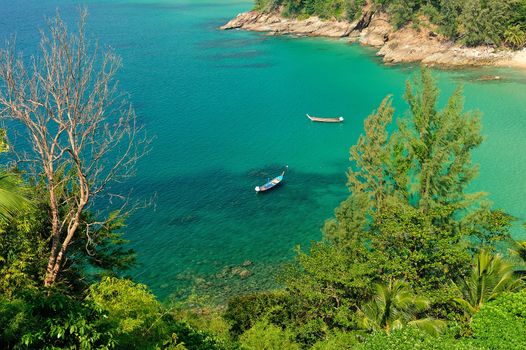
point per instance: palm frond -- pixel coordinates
(429, 325)
(12, 198)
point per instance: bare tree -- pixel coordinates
(82, 131)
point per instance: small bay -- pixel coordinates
(227, 111)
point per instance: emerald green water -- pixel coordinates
(227, 111)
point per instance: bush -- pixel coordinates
(501, 324)
(327, 9)
(131, 311)
(197, 339)
(410, 338)
(51, 320)
(265, 336)
(337, 341)
(244, 311)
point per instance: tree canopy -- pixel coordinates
(471, 22)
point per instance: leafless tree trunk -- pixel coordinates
(83, 133)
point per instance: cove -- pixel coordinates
(227, 110)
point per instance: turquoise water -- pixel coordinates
(227, 112)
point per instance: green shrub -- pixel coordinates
(52, 320)
(244, 311)
(132, 311)
(501, 324)
(311, 331)
(197, 339)
(337, 341)
(265, 336)
(410, 338)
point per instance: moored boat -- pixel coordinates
(271, 183)
(325, 120)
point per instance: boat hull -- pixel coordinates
(325, 120)
(269, 185)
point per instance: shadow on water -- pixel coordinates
(197, 192)
(233, 55)
(231, 42)
(212, 220)
(247, 65)
(191, 5)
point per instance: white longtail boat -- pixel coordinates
(325, 120)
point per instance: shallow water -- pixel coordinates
(227, 112)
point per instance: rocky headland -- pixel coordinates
(394, 46)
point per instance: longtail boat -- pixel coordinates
(271, 183)
(325, 120)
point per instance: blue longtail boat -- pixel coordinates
(271, 183)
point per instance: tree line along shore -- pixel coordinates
(442, 33)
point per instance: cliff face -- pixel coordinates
(373, 29)
(275, 24)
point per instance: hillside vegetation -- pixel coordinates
(470, 22)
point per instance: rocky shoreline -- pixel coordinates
(373, 29)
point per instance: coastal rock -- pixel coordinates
(406, 45)
(275, 24)
(489, 78)
(241, 272)
(247, 263)
(517, 60)
(378, 31)
(410, 45)
(245, 274)
(235, 271)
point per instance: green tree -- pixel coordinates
(408, 201)
(24, 245)
(394, 306)
(409, 216)
(329, 282)
(515, 36)
(265, 336)
(52, 320)
(82, 133)
(12, 196)
(425, 250)
(244, 311)
(23, 251)
(518, 252)
(337, 341)
(439, 144)
(131, 310)
(369, 171)
(491, 275)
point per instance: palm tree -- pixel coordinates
(490, 276)
(12, 198)
(394, 306)
(518, 251)
(515, 36)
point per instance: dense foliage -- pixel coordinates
(411, 256)
(471, 22)
(501, 324)
(323, 8)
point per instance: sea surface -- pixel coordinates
(227, 111)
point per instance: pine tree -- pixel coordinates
(439, 145)
(408, 202)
